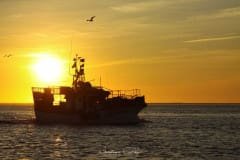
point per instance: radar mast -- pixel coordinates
(79, 75)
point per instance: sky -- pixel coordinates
(174, 51)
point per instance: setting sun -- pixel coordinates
(48, 69)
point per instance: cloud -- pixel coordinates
(15, 16)
(213, 39)
(223, 13)
(149, 5)
(137, 7)
(148, 60)
(157, 5)
(230, 12)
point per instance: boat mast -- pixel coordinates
(79, 76)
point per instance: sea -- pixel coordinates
(170, 131)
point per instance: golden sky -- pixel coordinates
(174, 51)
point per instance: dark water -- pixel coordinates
(175, 132)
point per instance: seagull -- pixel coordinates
(91, 19)
(7, 55)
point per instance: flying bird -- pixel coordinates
(7, 55)
(91, 19)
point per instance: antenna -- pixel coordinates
(70, 55)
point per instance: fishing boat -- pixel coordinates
(83, 103)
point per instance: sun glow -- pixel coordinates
(48, 69)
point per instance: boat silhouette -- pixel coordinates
(83, 103)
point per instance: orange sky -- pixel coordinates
(176, 51)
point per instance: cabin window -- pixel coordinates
(59, 98)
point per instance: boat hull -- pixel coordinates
(127, 115)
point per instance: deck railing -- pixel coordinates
(125, 93)
(113, 93)
(53, 90)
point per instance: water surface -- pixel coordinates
(173, 132)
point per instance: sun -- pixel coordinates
(48, 69)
